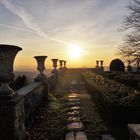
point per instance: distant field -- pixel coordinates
(30, 74)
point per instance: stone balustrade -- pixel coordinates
(17, 108)
(33, 95)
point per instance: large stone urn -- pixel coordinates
(101, 63)
(97, 63)
(61, 64)
(65, 62)
(7, 56)
(40, 67)
(54, 65)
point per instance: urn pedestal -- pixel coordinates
(11, 105)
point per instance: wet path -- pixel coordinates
(73, 115)
(74, 125)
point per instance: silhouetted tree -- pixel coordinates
(131, 47)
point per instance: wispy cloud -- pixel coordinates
(27, 19)
(16, 28)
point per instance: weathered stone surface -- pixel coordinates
(12, 119)
(73, 118)
(134, 130)
(75, 125)
(74, 99)
(73, 82)
(70, 136)
(75, 108)
(73, 104)
(107, 137)
(74, 113)
(72, 96)
(81, 136)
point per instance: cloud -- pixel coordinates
(27, 19)
(16, 28)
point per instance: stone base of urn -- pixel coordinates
(55, 71)
(12, 118)
(40, 77)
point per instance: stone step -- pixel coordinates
(75, 108)
(81, 136)
(77, 136)
(74, 99)
(73, 96)
(73, 104)
(73, 82)
(75, 125)
(73, 90)
(73, 119)
(74, 113)
(70, 136)
(107, 137)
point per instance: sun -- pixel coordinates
(75, 50)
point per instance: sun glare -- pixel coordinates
(75, 51)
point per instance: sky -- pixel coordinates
(79, 31)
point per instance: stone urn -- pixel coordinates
(97, 63)
(7, 57)
(65, 64)
(54, 65)
(40, 67)
(61, 64)
(101, 63)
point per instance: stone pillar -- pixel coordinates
(11, 105)
(40, 67)
(54, 65)
(97, 63)
(61, 64)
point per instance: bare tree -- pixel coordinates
(131, 46)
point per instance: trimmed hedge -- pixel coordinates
(123, 109)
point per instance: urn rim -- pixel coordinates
(43, 56)
(8, 46)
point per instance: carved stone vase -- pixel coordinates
(61, 64)
(101, 63)
(65, 64)
(7, 56)
(97, 63)
(54, 65)
(40, 67)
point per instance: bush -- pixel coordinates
(117, 65)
